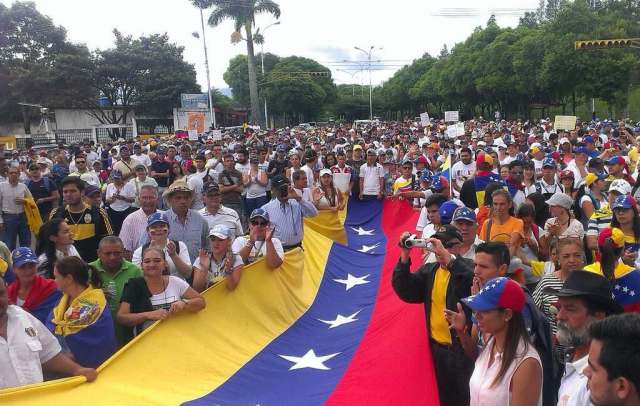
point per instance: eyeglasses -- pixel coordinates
(259, 223)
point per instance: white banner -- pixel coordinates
(193, 135)
(565, 123)
(424, 119)
(451, 116)
(341, 181)
(216, 135)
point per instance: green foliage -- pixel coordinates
(237, 76)
(535, 64)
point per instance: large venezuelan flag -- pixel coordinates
(325, 328)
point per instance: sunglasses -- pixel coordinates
(259, 223)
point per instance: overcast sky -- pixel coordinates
(325, 30)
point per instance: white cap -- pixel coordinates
(326, 172)
(564, 140)
(621, 186)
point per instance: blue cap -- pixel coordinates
(615, 160)
(623, 202)
(426, 176)
(116, 174)
(446, 211)
(281, 148)
(581, 150)
(220, 231)
(588, 138)
(549, 162)
(497, 293)
(157, 218)
(464, 213)
(259, 212)
(22, 256)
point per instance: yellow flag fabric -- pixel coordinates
(189, 355)
(3, 267)
(32, 213)
(327, 223)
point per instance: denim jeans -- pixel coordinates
(15, 225)
(255, 203)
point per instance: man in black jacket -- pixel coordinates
(440, 286)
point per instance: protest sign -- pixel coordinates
(451, 116)
(565, 123)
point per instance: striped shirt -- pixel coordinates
(545, 302)
(599, 220)
(287, 218)
(134, 227)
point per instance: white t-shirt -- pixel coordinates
(172, 293)
(461, 172)
(128, 190)
(143, 159)
(195, 183)
(371, 176)
(259, 248)
(183, 254)
(309, 172)
(216, 271)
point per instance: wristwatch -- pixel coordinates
(186, 301)
(453, 258)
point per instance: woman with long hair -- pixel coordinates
(508, 371)
(55, 241)
(330, 160)
(529, 177)
(590, 196)
(330, 198)
(82, 319)
(156, 295)
(567, 180)
(542, 209)
(626, 218)
(561, 224)
(176, 174)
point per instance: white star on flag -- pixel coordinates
(632, 293)
(617, 287)
(362, 231)
(367, 248)
(309, 360)
(352, 281)
(340, 320)
(625, 289)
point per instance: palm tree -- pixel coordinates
(243, 13)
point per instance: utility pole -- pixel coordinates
(370, 84)
(206, 64)
(266, 119)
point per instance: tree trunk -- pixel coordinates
(26, 120)
(253, 84)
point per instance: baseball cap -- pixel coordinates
(447, 233)
(549, 163)
(91, 190)
(446, 211)
(567, 174)
(623, 202)
(564, 140)
(581, 150)
(464, 213)
(426, 175)
(484, 158)
(422, 160)
(281, 148)
(535, 150)
(211, 188)
(357, 146)
(279, 180)
(325, 172)
(497, 293)
(616, 160)
(588, 139)
(621, 186)
(219, 231)
(22, 256)
(560, 199)
(116, 174)
(140, 166)
(592, 177)
(157, 218)
(371, 151)
(439, 183)
(259, 213)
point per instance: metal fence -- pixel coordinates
(75, 136)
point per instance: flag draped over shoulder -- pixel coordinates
(32, 213)
(85, 326)
(481, 180)
(41, 298)
(324, 328)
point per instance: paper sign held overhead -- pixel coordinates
(216, 135)
(193, 135)
(424, 119)
(451, 116)
(565, 123)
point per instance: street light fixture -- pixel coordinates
(352, 74)
(368, 53)
(266, 119)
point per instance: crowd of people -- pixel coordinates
(531, 239)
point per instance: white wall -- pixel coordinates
(68, 119)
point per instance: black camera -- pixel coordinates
(284, 189)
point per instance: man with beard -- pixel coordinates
(585, 298)
(463, 169)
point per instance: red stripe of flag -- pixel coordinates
(393, 363)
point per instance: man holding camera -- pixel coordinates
(440, 286)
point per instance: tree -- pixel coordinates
(243, 13)
(299, 96)
(147, 74)
(38, 65)
(237, 76)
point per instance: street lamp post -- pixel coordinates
(370, 85)
(266, 119)
(206, 64)
(352, 74)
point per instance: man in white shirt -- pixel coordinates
(260, 242)
(463, 170)
(371, 178)
(215, 213)
(300, 185)
(309, 168)
(83, 172)
(584, 298)
(90, 154)
(27, 346)
(140, 157)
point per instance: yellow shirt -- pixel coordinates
(439, 326)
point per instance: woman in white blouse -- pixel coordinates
(330, 198)
(55, 241)
(176, 252)
(508, 371)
